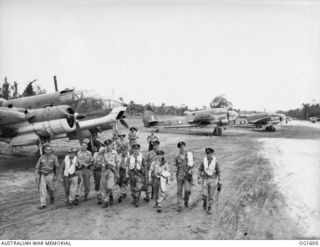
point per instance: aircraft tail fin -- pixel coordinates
(149, 119)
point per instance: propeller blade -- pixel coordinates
(124, 123)
(79, 134)
(79, 103)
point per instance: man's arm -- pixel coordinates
(200, 171)
(175, 168)
(37, 169)
(63, 167)
(56, 167)
(218, 172)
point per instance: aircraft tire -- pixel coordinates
(217, 131)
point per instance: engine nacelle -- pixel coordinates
(51, 113)
(47, 129)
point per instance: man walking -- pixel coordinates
(132, 136)
(184, 172)
(161, 173)
(137, 172)
(151, 139)
(98, 163)
(109, 174)
(83, 169)
(151, 156)
(70, 179)
(209, 171)
(122, 142)
(123, 172)
(46, 175)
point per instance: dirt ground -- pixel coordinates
(270, 191)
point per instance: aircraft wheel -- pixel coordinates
(217, 131)
(272, 128)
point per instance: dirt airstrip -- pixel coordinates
(270, 191)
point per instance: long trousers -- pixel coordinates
(149, 185)
(107, 183)
(183, 184)
(83, 181)
(136, 184)
(161, 190)
(123, 182)
(209, 189)
(70, 187)
(156, 187)
(96, 177)
(46, 186)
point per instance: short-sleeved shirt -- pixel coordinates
(47, 163)
(132, 136)
(98, 160)
(124, 160)
(215, 174)
(122, 143)
(151, 156)
(111, 158)
(182, 163)
(85, 158)
(152, 138)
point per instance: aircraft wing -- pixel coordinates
(266, 121)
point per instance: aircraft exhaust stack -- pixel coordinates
(55, 83)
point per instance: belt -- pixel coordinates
(44, 173)
(98, 169)
(71, 175)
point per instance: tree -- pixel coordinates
(220, 101)
(10, 91)
(5, 92)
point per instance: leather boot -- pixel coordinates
(204, 202)
(136, 204)
(186, 198)
(111, 200)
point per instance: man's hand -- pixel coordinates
(219, 187)
(199, 180)
(37, 178)
(54, 178)
(172, 178)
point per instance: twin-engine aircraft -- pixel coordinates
(215, 117)
(65, 114)
(260, 120)
(22, 127)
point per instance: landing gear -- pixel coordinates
(270, 128)
(217, 131)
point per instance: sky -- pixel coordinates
(262, 55)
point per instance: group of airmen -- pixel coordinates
(120, 162)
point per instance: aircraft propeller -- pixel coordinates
(124, 123)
